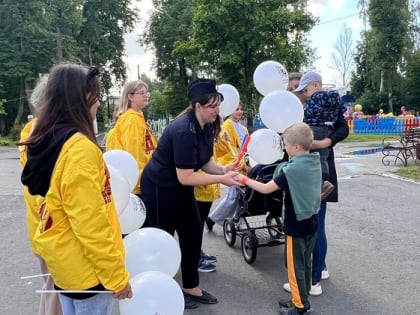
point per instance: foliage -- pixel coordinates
(226, 40)
(411, 87)
(389, 28)
(386, 57)
(5, 141)
(36, 34)
(170, 22)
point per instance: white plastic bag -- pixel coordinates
(226, 207)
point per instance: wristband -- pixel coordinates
(244, 180)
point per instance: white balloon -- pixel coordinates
(280, 109)
(265, 146)
(133, 216)
(230, 99)
(120, 189)
(270, 76)
(153, 293)
(125, 163)
(152, 249)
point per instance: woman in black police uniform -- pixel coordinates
(169, 178)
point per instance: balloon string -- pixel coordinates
(71, 291)
(36, 276)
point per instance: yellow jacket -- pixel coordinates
(32, 202)
(133, 135)
(207, 193)
(79, 235)
(24, 135)
(230, 143)
(110, 140)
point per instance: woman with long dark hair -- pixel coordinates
(78, 235)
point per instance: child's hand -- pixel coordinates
(238, 177)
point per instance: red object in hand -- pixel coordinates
(242, 152)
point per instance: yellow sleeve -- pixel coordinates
(110, 140)
(131, 135)
(93, 219)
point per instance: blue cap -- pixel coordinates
(307, 78)
(200, 87)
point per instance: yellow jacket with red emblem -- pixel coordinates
(133, 135)
(79, 235)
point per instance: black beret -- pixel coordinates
(200, 87)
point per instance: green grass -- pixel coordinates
(364, 138)
(6, 141)
(410, 172)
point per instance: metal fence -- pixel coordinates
(373, 124)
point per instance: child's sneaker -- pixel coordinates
(292, 311)
(327, 188)
(316, 289)
(204, 266)
(208, 258)
(325, 274)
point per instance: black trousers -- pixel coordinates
(204, 209)
(175, 210)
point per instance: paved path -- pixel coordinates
(373, 253)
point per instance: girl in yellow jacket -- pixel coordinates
(78, 235)
(231, 138)
(131, 131)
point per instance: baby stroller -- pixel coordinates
(258, 233)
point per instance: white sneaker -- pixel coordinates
(315, 289)
(325, 274)
(286, 287)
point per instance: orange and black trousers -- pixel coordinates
(299, 268)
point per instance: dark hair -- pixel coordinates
(202, 100)
(70, 92)
(206, 98)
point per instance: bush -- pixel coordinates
(14, 133)
(372, 102)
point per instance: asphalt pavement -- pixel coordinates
(373, 249)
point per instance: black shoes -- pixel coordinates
(206, 298)
(189, 304)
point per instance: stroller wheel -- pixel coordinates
(274, 226)
(249, 246)
(229, 232)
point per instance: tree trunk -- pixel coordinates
(21, 102)
(59, 44)
(389, 89)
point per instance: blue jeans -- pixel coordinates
(320, 250)
(99, 304)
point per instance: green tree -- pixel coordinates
(412, 90)
(231, 38)
(226, 40)
(170, 22)
(25, 38)
(389, 27)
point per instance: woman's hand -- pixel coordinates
(321, 144)
(230, 179)
(233, 167)
(125, 293)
